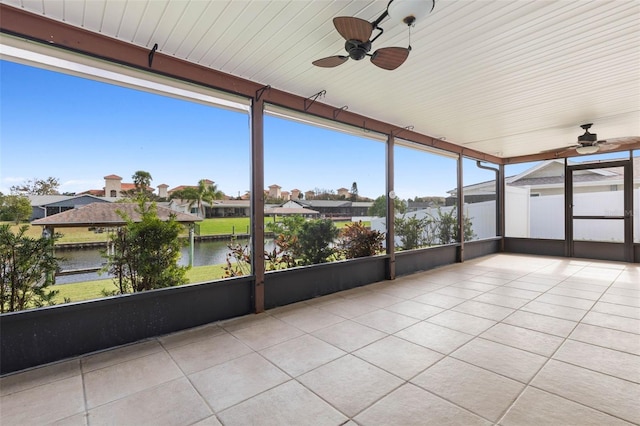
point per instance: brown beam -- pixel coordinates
(563, 153)
(391, 249)
(257, 202)
(53, 33)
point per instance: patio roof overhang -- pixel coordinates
(534, 99)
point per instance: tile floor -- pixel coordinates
(505, 339)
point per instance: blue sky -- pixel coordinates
(79, 131)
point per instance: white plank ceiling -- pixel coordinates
(508, 77)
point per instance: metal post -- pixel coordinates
(257, 202)
(502, 193)
(391, 251)
(191, 244)
(460, 212)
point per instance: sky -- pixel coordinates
(79, 130)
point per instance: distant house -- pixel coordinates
(274, 191)
(547, 178)
(113, 188)
(49, 205)
(169, 192)
(343, 192)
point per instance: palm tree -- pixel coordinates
(207, 192)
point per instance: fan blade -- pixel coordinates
(353, 28)
(615, 143)
(390, 58)
(330, 62)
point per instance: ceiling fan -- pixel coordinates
(588, 143)
(357, 34)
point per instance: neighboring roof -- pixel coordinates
(112, 177)
(106, 214)
(289, 210)
(45, 200)
(325, 203)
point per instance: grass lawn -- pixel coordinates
(88, 290)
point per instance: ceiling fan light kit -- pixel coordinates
(408, 12)
(357, 33)
(587, 149)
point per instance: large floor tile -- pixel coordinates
(43, 404)
(543, 323)
(302, 354)
(126, 378)
(435, 337)
(621, 300)
(608, 338)
(191, 335)
(523, 338)
(571, 302)
(39, 376)
(309, 319)
(478, 390)
(267, 333)
(439, 300)
(379, 299)
(620, 310)
(348, 308)
(350, 384)
(122, 354)
(414, 309)
(234, 381)
(484, 310)
(557, 311)
(349, 335)
(203, 354)
(459, 321)
(287, 404)
(605, 393)
(385, 321)
(536, 407)
(399, 357)
(515, 292)
(175, 402)
(501, 300)
(411, 406)
(615, 363)
(459, 292)
(506, 360)
(615, 322)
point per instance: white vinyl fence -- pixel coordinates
(544, 217)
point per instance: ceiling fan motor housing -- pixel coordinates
(588, 137)
(357, 50)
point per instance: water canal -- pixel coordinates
(212, 252)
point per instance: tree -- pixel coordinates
(145, 254)
(315, 239)
(205, 191)
(354, 191)
(142, 191)
(379, 207)
(16, 208)
(25, 265)
(35, 186)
